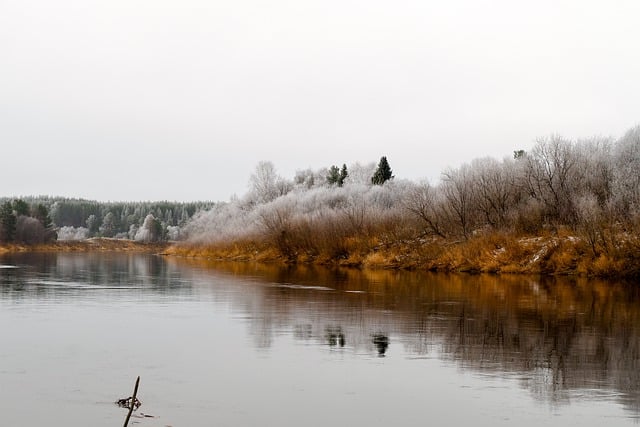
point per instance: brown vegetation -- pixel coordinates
(564, 207)
(90, 245)
(491, 252)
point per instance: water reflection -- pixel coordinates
(555, 335)
(382, 343)
(46, 275)
(335, 336)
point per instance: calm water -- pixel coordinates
(245, 345)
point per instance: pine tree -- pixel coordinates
(7, 223)
(333, 177)
(42, 215)
(383, 173)
(343, 175)
(20, 207)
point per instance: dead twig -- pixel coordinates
(133, 402)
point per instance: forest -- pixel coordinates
(562, 206)
(44, 219)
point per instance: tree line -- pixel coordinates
(589, 187)
(24, 223)
(43, 219)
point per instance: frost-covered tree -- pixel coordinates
(596, 160)
(92, 224)
(457, 189)
(266, 185)
(308, 178)
(150, 231)
(626, 179)
(383, 173)
(108, 227)
(173, 233)
(494, 190)
(133, 230)
(67, 233)
(552, 176)
(422, 201)
(360, 174)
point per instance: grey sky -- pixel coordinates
(178, 100)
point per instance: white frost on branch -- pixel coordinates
(73, 233)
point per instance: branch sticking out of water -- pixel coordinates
(133, 402)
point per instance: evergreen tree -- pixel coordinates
(333, 177)
(343, 175)
(7, 223)
(42, 215)
(20, 207)
(383, 173)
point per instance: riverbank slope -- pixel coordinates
(550, 254)
(89, 245)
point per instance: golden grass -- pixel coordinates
(490, 252)
(90, 245)
(486, 252)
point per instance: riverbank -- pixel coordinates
(89, 245)
(496, 253)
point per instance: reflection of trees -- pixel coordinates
(381, 342)
(554, 334)
(335, 336)
(73, 271)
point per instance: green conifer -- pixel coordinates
(383, 173)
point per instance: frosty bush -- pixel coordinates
(558, 183)
(73, 233)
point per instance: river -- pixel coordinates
(241, 344)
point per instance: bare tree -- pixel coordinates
(29, 230)
(457, 189)
(422, 201)
(626, 179)
(551, 175)
(596, 162)
(494, 190)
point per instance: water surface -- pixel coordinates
(254, 345)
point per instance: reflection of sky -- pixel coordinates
(265, 348)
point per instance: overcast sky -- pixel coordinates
(179, 100)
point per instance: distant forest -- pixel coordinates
(42, 219)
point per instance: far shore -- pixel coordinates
(491, 254)
(89, 245)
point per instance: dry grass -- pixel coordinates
(90, 245)
(379, 248)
